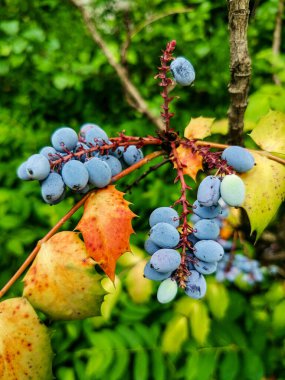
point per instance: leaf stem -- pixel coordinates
(76, 207)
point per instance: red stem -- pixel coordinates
(165, 58)
(182, 272)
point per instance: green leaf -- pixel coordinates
(139, 287)
(175, 334)
(252, 366)
(200, 365)
(265, 191)
(200, 322)
(278, 316)
(141, 365)
(269, 133)
(10, 27)
(229, 366)
(158, 365)
(218, 299)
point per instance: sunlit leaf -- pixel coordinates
(269, 133)
(139, 287)
(218, 299)
(106, 227)
(199, 321)
(265, 191)
(198, 128)
(175, 334)
(222, 126)
(278, 316)
(62, 281)
(192, 161)
(25, 349)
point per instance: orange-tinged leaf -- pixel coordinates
(198, 128)
(106, 227)
(192, 161)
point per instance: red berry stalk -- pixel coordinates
(165, 58)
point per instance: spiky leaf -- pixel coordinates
(192, 162)
(265, 191)
(62, 281)
(269, 133)
(106, 227)
(25, 349)
(198, 128)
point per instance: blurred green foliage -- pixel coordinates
(52, 74)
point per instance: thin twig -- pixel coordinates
(240, 67)
(277, 36)
(145, 174)
(130, 88)
(76, 207)
(261, 152)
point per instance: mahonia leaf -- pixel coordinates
(25, 349)
(269, 133)
(222, 126)
(198, 128)
(139, 287)
(218, 298)
(106, 227)
(265, 191)
(175, 334)
(62, 281)
(200, 322)
(192, 162)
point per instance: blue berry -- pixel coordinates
(99, 172)
(204, 267)
(167, 291)
(208, 250)
(132, 155)
(165, 260)
(240, 159)
(233, 190)
(165, 215)
(75, 175)
(206, 229)
(182, 70)
(64, 139)
(196, 285)
(152, 274)
(150, 247)
(164, 235)
(49, 152)
(114, 164)
(96, 136)
(52, 188)
(38, 167)
(206, 212)
(22, 172)
(209, 191)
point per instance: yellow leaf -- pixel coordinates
(265, 191)
(62, 281)
(269, 133)
(218, 299)
(175, 334)
(222, 126)
(199, 321)
(198, 128)
(192, 161)
(25, 349)
(139, 287)
(106, 227)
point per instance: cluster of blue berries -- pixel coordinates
(84, 167)
(239, 268)
(205, 249)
